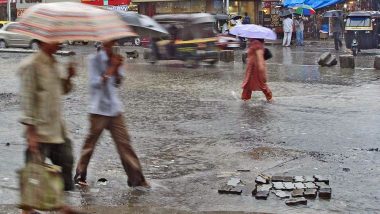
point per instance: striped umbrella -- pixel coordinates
(62, 21)
(304, 9)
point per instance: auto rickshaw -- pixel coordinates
(192, 39)
(362, 30)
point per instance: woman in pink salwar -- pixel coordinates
(256, 72)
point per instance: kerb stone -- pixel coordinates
(347, 61)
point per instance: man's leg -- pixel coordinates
(289, 39)
(97, 124)
(62, 155)
(284, 39)
(336, 42)
(302, 38)
(128, 156)
(298, 37)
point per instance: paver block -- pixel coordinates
(347, 61)
(325, 193)
(299, 186)
(279, 178)
(321, 185)
(309, 179)
(310, 185)
(234, 181)
(278, 185)
(289, 186)
(377, 63)
(323, 58)
(282, 194)
(298, 179)
(227, 189)
(320, 178)
(296, 201)
(331, 62)
(262, 187)
(262, 195)
(310, 193)
(297, 193)
(262, 179)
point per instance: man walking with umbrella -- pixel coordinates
(337, 29)
(106, 73)
(41, 91)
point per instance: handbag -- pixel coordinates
(267, 54)
(41, 187)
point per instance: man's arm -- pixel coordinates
(29, 105)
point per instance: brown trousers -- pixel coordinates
(118, 129)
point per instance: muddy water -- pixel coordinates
(193, 133)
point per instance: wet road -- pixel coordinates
(192, 133)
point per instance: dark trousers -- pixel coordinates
(61, 155)
(118, 129)
(338, 43)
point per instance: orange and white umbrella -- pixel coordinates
(62, 21)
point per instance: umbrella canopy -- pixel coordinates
(59, 22)
(332, 13)
(253, 31)
(304, 9)
(143, 25)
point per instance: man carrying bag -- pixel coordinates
(41, 91)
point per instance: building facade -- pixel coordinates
(235, 7)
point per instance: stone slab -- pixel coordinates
(227, 189)
(322, 185)
(299, 186)
(298, 179)
(296, 201)
(309, 179)
(282, 194)
(320, 178)
(262, 187)
(297, 193)
(262, 195)
(278, 185)
(310, 185)
(310, 193)
(347, 61)
(262, 179)
(234, 181)
(289, 186)
(325, 193)
(280, 178)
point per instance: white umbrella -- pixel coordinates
(253, 31)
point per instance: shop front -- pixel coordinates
(240, 7)
(269, 15)
(154, 7)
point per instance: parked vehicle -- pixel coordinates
(11, 39)
(2, 23)
(192, 39)
(362, 30)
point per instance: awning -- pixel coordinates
(316, 4)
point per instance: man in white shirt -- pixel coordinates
(288, 30)
(106, 73)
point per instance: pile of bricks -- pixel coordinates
(296, 189)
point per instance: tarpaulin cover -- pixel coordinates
(316, 4)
